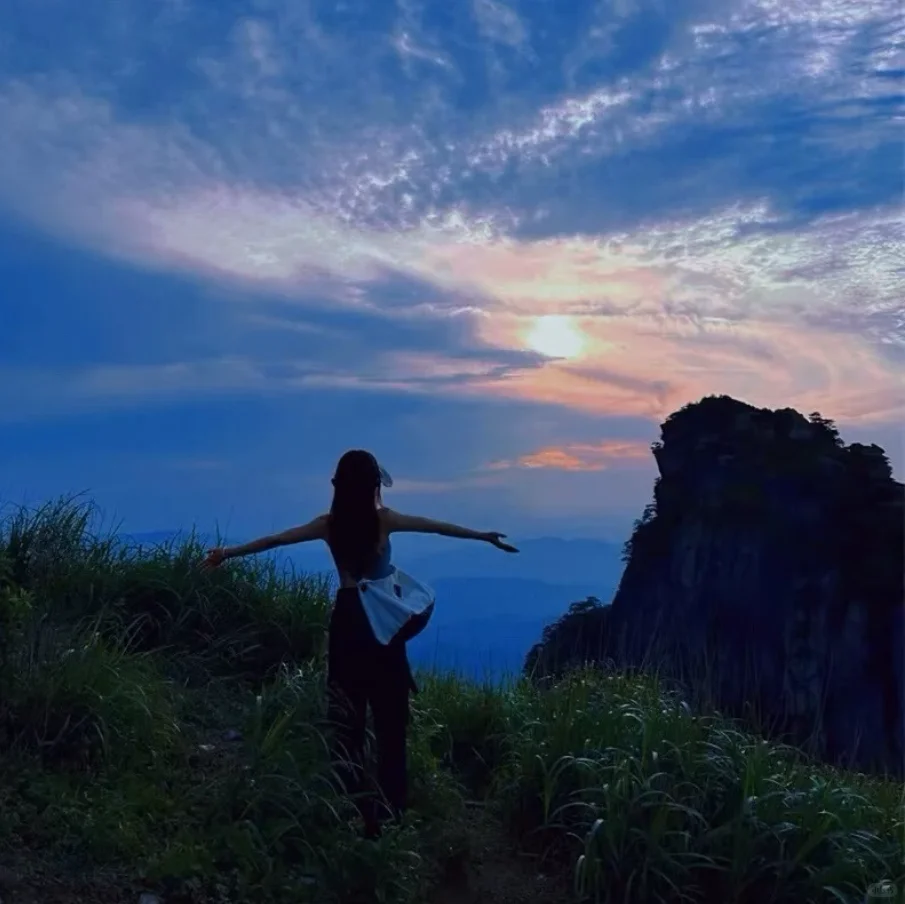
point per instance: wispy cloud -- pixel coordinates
(500, 23)
(456, 485)
(31, 394)
(581, 456)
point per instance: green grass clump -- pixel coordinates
(168, 725)
(243, 620)
(653, 803)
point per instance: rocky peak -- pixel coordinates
(774, 553)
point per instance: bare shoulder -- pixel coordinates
(315, 529)
(397, 522)
(320, 524)
(390, 520)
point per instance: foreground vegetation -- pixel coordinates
(165, 726)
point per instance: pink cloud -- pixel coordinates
(648, 368)
(668, 314)
(549, 277)
(582, 456)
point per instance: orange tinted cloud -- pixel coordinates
(683, 310)
(548, 277)
(582, 456)
(648, 367)
(729, 302)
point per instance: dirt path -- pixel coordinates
(492, 871)
(497, 873)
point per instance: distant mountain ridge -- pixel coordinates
(491, 606)
(464, 598)
(550, 560)
(484, 626)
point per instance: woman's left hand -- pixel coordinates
(214, 559)
(496, 539)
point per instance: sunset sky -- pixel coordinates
(495, 243)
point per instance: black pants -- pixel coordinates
(361, 672)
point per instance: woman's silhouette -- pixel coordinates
(361, 670)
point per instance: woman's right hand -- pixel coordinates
(496, 539)
(214, 559)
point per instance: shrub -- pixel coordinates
(76, 698)
(658, 804)
(246, 619)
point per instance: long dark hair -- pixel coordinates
(353, 531)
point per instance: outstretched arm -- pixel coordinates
(313, 530)
(396, 522)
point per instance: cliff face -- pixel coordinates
(769, 569)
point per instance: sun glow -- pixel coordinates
(555, 336)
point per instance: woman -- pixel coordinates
(362, 670)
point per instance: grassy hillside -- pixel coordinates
(162, 730)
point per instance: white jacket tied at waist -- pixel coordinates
(391, 601)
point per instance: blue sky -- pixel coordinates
(496, 243)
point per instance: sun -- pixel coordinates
(555, 336)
